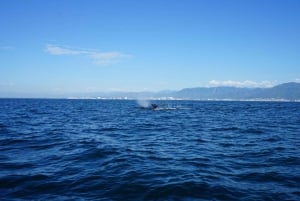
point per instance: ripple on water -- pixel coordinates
(113, 150)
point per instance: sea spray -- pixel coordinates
(143, 102)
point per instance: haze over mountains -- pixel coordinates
(287, 91)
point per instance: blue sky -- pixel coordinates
(63, 46)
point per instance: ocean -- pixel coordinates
(53, 149)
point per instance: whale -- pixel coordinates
(151, 107)
(154, 106)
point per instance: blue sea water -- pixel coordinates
(115, 150)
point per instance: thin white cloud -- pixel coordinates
(108, 58)
(246, 83)
(56, 50)
(297, 80)
(98, 57)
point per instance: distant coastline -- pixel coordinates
(283, 92)
(287, 92)
(178, 99)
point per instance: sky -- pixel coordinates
(58, 47)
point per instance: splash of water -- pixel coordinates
(143, 102)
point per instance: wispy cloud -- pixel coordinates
(246, 83)
(108, 58)
(297, 80)
(98, 57)
(57, 50)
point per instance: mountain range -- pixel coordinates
(287, 91)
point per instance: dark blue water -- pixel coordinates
(114, 150)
